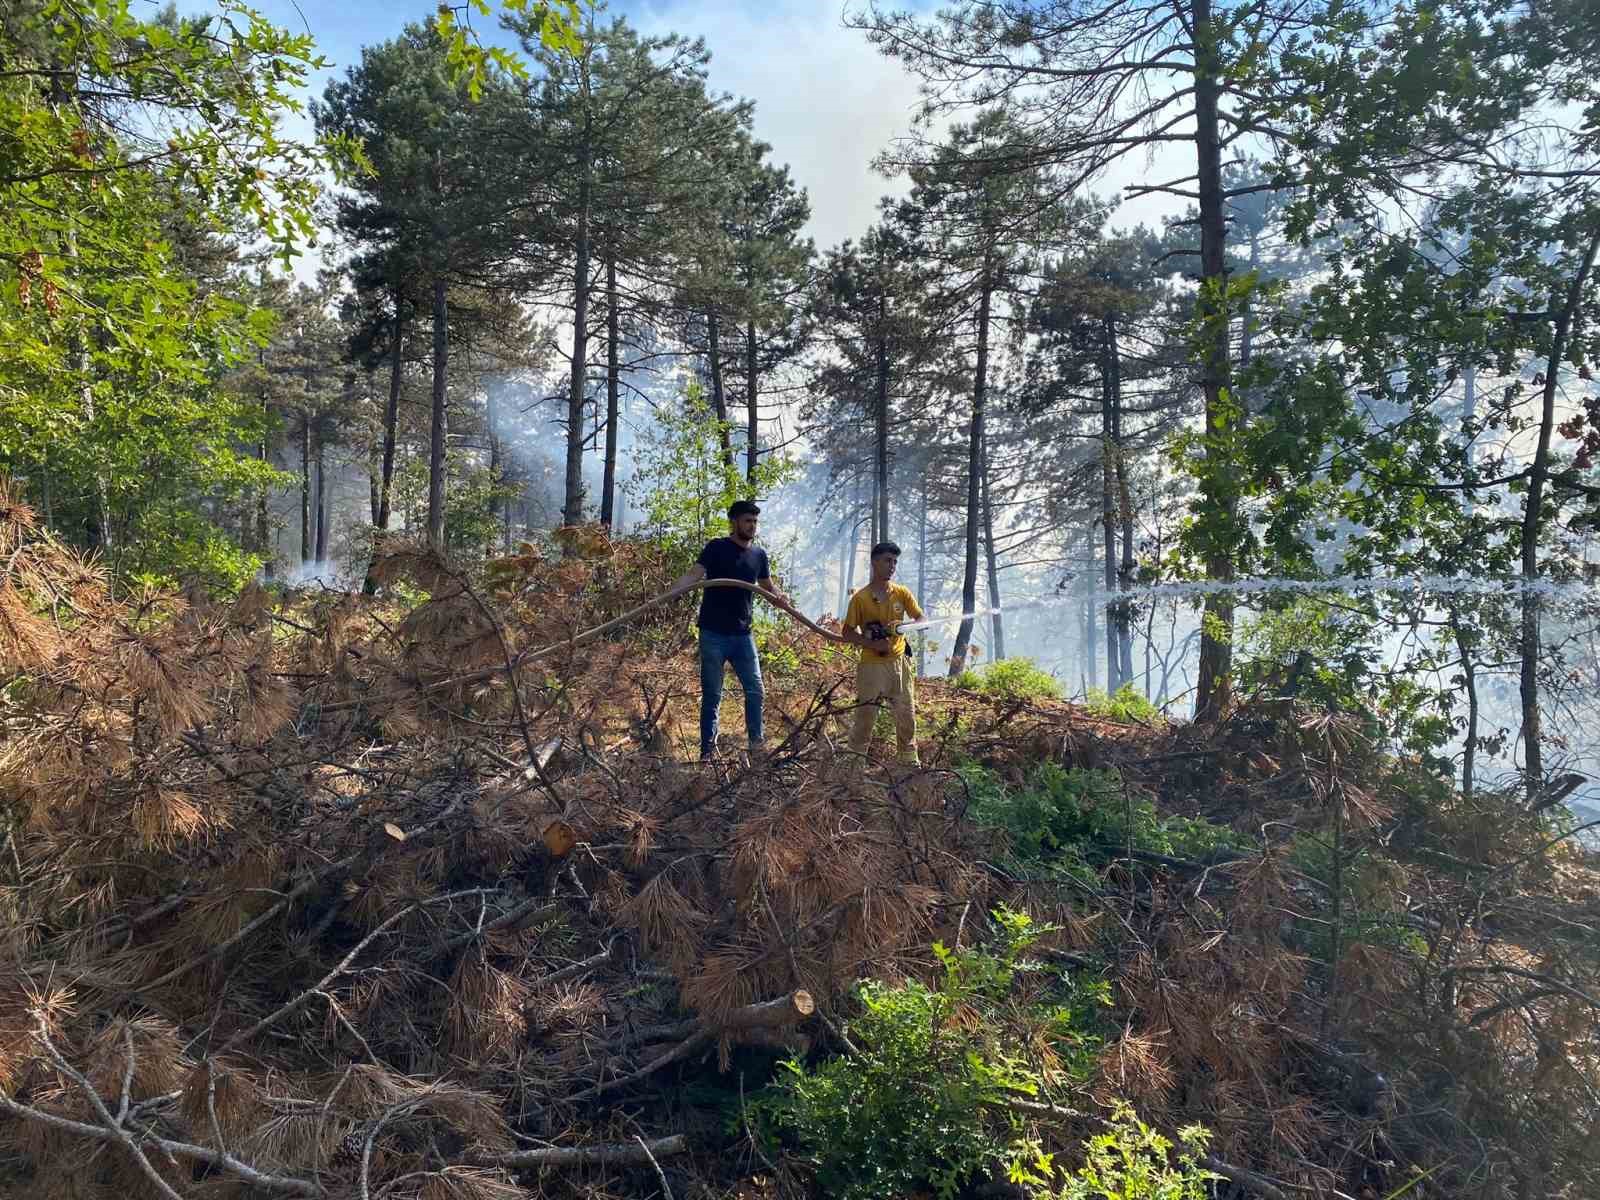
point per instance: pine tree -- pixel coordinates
(442, 200)
(980, 217)
(625, 147)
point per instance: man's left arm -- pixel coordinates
(913, 609)
(769, 585)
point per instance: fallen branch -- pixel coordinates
(1249, 1180)
(675, 1031)
(576, 969)
(1517, 1001)
(764, 1014)
(679, 1052)
(511, 917)
(622, 1154)
(220, 1160)
(1220, 858)
(1548, 981)
(666, 1188)
(112, 1125)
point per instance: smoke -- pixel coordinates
(308, 574)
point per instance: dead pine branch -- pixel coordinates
(300, 890)
(575, 970)
(124, 1136)
(532, 908)
(771, 1014)
(638, 1153)
(678, 1053)
(113, 1126)
(666, 1188)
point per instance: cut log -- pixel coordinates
(764, 1014)
(772, 1014)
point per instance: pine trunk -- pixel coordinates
(1091, 640)
(608, 485)
(305, 488)
(263, 521)
(1108, 535)
(880, 414)
(850, 562)
(572, 504)
(922, 575)
(719, 398)
(846, 540)
(996, 621)
(1532, 520)
(752, 444)
(497, 462)
(321, 554)
(437, 429)
(391, 421)
(1216, 633)
(1125, 575)
(969, 578)
(97, 531)
(1469, 679)
(872, 513)
(374, 482)
(1119, 466)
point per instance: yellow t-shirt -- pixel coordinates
(866, 608)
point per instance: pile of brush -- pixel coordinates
(311, 894)
(305, 900)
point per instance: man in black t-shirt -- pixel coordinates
(725, 619)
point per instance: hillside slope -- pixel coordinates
(311, 895)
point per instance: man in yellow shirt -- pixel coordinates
(884, 673)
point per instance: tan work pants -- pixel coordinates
(891, 681)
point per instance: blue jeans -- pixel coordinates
(716, 650)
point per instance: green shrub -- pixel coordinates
(923, 1100)
(1069, 818)
(778, 653)
(1131, 1161)
(1011, 679)
(683, 482)
(1128, 705)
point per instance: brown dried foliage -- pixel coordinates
(291, 852)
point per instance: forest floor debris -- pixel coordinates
(314, 895)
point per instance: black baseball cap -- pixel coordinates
(743, 508)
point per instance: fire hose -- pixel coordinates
(588, 635)
(599, 630)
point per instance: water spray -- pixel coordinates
(930, 622)
(1420, 585)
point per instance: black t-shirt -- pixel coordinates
(729, 610)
